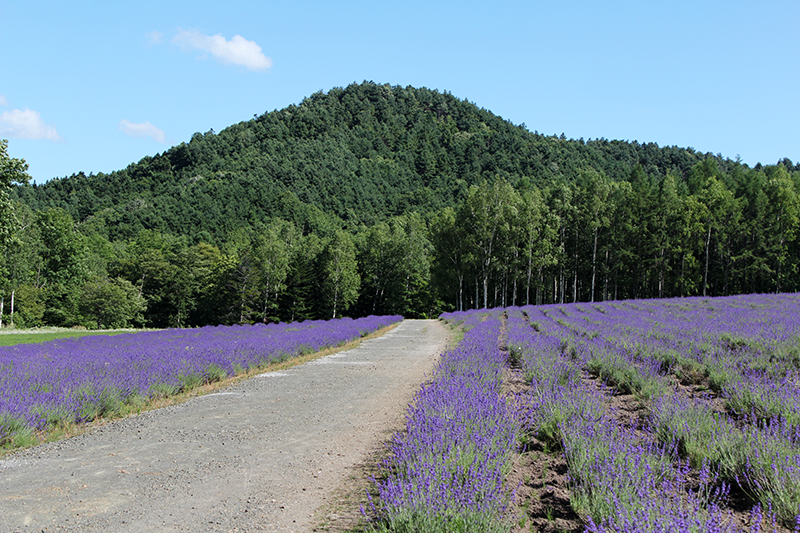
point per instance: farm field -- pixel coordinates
(51, 385)
(650, 415)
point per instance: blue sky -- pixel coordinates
(95, 86)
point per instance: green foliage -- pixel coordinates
(11, 170)
(486, 214)
(358, 154)
(614, 369)
(298, 300)
(112, 303)
(394, 262)
(30, 307)
(271, 252)
(340, 277)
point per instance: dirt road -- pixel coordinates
(260, 456)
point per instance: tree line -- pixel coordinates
(597, 239)
(592, 240)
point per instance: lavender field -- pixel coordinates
(668, 415)
(77, 380)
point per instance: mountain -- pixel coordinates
(351, 156)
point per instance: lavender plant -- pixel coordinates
(761, 395)
(625, 484)
(75, 380)
(447, 470)
(700, 433)
(772, 468)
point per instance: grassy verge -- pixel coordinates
(11, 337)
(62, 431)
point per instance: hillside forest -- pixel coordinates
(379, 199)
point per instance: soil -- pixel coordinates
(539, 477)
(285, 451)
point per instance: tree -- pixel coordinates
(537, 227)
(779, 221)
(21, 264)
(12, 171)
(635, 244)
(340, 278)
(486, 213)
(378, 263)
(63, 249)
(394, 258)
(668, 228)
(409, 295)
(560, 204)
(272, 250)
(450, 256)
(694, 214)
(299, 301)
(721, 217)
(595, 204)
(112, 303)
(199, 262)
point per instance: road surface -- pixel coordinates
(261, 455)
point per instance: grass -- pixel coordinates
(12, 337)
(172, 396)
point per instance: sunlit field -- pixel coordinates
(669, 415)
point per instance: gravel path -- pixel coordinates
(260, 456)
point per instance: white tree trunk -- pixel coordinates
(705, 274)
(594, 262)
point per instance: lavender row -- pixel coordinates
(620, 481)
(631, 344)
(762, 457)
(447, 470)
(746, 347)
(74, 380)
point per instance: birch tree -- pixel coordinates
(340, 277)
(485, 214)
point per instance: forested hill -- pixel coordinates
(363, 153)
(386, 200)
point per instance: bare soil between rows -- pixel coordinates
(283, 451)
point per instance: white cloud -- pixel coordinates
(238, 50)
(28, 124)
(143, 130)
(155, 37)
(3, 101)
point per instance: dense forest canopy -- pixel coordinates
(383, 199)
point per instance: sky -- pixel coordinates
(95, 86)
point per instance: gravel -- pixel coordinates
(262, 455)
